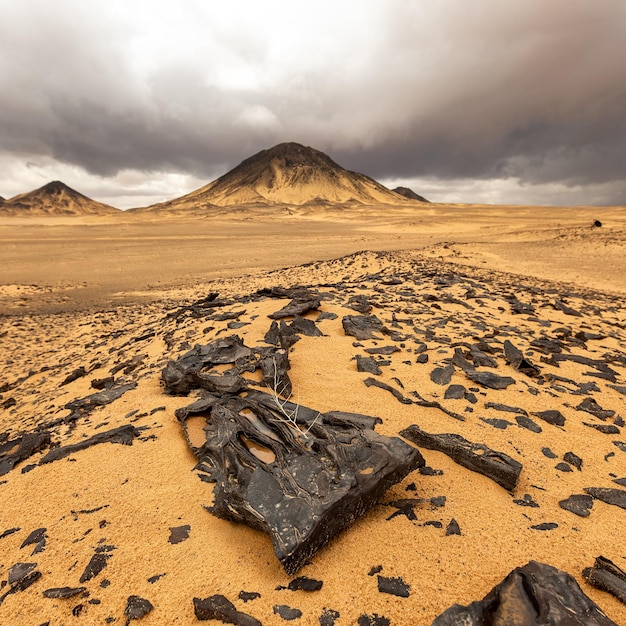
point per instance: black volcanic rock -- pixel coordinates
(363, 326)
(477, 457)
(16, 450)
(221, 608)
(533, 595)
(616, 497)
(409, 193)
(606, 576)
(579, 504)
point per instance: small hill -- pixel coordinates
(55, 198)
(288, 173)
(410, 194)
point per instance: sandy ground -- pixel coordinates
(100, 294)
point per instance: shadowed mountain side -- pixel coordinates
(288, 173)
(55, 198)
(410, 194)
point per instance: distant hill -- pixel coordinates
(55, 198)
(288, 173)
(410, 194)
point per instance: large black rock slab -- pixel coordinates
(498, 466)
(606, 576)
(616, 497)
(299, 475)
(533, 595)
(20, 448)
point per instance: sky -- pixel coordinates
(133, 102)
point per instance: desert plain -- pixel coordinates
(83, 299)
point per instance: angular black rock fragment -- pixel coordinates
(303, 326)
(363, 326)
(518, 362)
(559, 305)
(455, 392)
(618, 481)
(287, 613)
(83, 406)
(21, 576)
(394, 586)
(606, 576)
(248, 596)
(551, 416)
(96, 564)
(368, 364)
(453, 528)
(9, 531)
(498, 466)
(548, 453)
(298, 306)
(573, 459)
(616, 497)
(300, 487)
(329, 617)
(606, 429)
(373, 620)
(545, 526)
(505, 408)
(136, 608)
(38, 538)
(372, 382)
(496, 423)
(123, 435)
(589, 405)
(304, 583)
(375, 570)
(386, 350)
(63, 592)
(442, 375)
(79, 372)
(16, 450)
(489, 379)
(526, 500)
(621, 445)
(103, 383)
(533, 595)
(152, 579)
(179, 533)
(579, 504)
(563, 467)
(528, 424)
(221, 608)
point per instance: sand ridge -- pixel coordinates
(122, 500)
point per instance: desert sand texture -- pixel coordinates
(93, 309)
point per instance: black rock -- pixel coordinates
(21, 576)
(247, 596)
(528, 424)
(442, 375)
(475, 456)
(96, 564)
(16, 450)
(394, 586)
(83, 406)
(300, 487)
(616, 497)
(363, 326)
(533, 595)
(103, 383)
(298, 306)
(518, 362)
(573, 459)
(75, 375)
(589, 405)
(490, 380)
(373, 620)
(496, 423)
(505, 408)
(551, 416)
(548, 453)
(579, 504)
(123, 434)
(137, 607)
(606, 429)
(329, 617)
(221, 608)
(455, 392)
(386, 350)
(453, 528)
(606, 576)
(545, 526)
(563, 467)
(63, 592)
(9, 531)
(287, 613)
(527, 500)
(367, 364)
(179, 533)
(304, 583)
(38, 536)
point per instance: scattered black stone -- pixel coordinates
(179, 533)
(453, 528)
(136, 608)
(329, 617)
(303, 488)
(123, 435)
(63, 592)
(489, 379)
(496, 423)
(154, 578)
(442, 375)
(559, 305)
(286, 612)
(303, 583)
(429, 471)
(526, 500)
(96, 564)
(16, 450)
(375, 570)
(455, 392)
(373, 620)
(422, 358)
(589, 405)
(306, 327)
(573, 459)
(435, 523)
(528, 424)
(563, 467)
(619, 388)
(616, 497)
(83, 406)
(533, 595)
(298, 306)
(477, 457)
(38, 538)
(548, 453)
(8, 403)
(103, 383)
(21, 576)
(394, 586)
(9, 531)
(386, 350)
(606, 429)
(579, 504)
(360, 304)
(326, 315)
(505, 408)
(545, 526)
(551, 416)
(621, 445)
(248, 596)
(363, 326)
(606, 576)
(619, 481)
(367, 364)
(372, 382)
(517, 361)
(221, 608)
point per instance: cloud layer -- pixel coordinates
(455, 93)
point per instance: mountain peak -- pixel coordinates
(410, 194)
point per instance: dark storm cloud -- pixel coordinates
(449, 89)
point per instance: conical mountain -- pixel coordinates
(288, 173)
(55, 198)
(406, 192)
